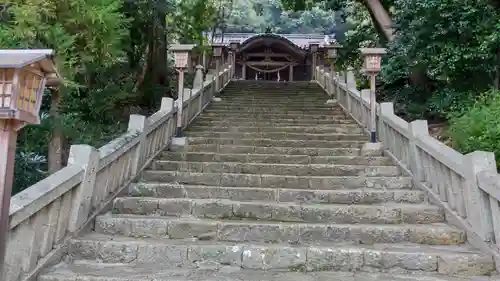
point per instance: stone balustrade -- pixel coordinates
(467, 186)
(44, 216)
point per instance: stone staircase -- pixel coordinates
(272, 187)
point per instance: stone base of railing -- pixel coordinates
(179, 144)
(216, 99)
(331, 101)
(372, 149)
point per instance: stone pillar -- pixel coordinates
(204, 60)
(88, 158)
(244, 71)
(232, 57)
(290, 73)
(217, 71)
(313, 75)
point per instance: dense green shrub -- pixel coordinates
(477, 127)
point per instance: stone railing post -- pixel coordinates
(417, 128)
(88, 158)
(386, 109)
(167, 104)
(350, 84)
(365, 96)
(477, 206)
(198, 77)
(137, 123)
(187, 100)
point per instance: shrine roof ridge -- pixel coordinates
(301, 40)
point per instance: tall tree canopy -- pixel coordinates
(113, 57)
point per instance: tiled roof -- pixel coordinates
(301, 40)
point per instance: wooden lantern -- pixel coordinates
(23, 77)
(372, 59)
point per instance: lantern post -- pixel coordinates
(332, 53)
(314, 50)
(233, 45)
(372, 65)
(23, 77)
(181, 57)
(217, 53)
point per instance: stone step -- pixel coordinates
(255, 110)
(273, 142)
(320, 130)
(277, 181)
(270, 92)
(225, 105)
(277, 169)
(274, 158)
(346, 196)
(214, 271)
(290, 119)
(299, 104)
(388, 213)
(311, 151)
(202, 121)
(282, 115)
(292, 92)
(401, 257)
(275, 95)
(276, 232)
(204, 132)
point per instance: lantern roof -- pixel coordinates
(373, 51)
(181, 47)
(20, 58)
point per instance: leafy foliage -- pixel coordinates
(113, 57)
(452, 46)
(270, 15)
(478, 127)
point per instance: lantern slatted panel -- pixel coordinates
(29, 83)
(6, 87)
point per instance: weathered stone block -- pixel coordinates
(203, 230)
(225, 255)
(278, 257)
(134, 205)
(215, 209)
(174, 207)
(110, 252)
(322, 259)
(465, 265)
(166, 255)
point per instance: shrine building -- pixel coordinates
(275, 57)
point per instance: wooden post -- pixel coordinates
(88, 158)
(180, 104)
(8, 137)
(373, 111)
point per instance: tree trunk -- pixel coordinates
(380, 18)
(57, 136)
